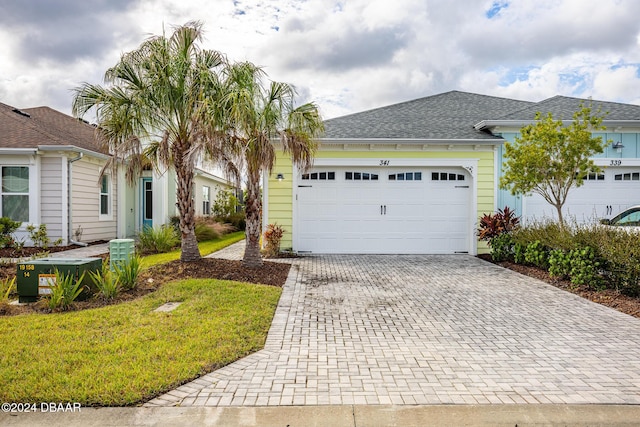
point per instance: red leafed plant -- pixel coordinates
(272, 237)
(493, 225)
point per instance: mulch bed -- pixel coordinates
(271, 273)
(609, 297)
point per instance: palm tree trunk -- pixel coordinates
(189, 246)
(253, 208)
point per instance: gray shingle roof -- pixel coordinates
(563, 107)
(35, 127)
(449, 116)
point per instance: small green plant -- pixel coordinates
(559, 263)
(39, 236)
(107, 283)
(205, 232)
(502, 247)
(127, 272)
(155, 240)
(7, 287)
(519, 250)
(536, 254)
(7, 227)
(585, 267)
(64, 291)
(225, 204)
(273, 236)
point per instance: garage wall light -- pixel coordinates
(280, 177)
(618, 146)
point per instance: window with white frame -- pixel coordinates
(15, 192)
(105, 195)
(206, 201)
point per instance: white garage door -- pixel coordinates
(384, 210)
(601, 196)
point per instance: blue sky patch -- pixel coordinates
(495, 8)
(513, 75)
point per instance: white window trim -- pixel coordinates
(108, 216)
(29, 194)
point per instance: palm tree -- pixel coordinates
(257, 117)
(154, 108)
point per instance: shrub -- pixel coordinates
(493, 225)
(273, 236)
(621, 252)
(127, 272)
(225, 204)
(107, 283)
(502, 247)
(559, 263)
(236, 220)
(536, 254)
(7, 227)
(154, 240)
(585, 268)
(64, 291)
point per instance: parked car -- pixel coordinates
(628, 218)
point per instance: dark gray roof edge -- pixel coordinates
(495, 139)
(488, 124)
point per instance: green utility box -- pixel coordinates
(120, 251)
(34, 277)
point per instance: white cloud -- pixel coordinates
(347, 55)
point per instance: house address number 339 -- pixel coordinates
(615, 163)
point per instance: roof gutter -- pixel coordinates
(490, 124)
(74, 149)
(18, 151)
(409, 141)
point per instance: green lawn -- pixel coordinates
(206, 248)
(127, 353)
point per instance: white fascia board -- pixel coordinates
(74, 149)
(517, 124)
(615, 162)
(18, 151)
(409, 141)
(201, 172)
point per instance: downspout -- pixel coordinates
(69, 211)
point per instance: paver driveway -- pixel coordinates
(427, 330)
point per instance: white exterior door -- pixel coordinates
(601, 196)
(383, 210)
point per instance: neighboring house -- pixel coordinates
(602, 195)
(51, 175)
(414, 177)
(50, 169)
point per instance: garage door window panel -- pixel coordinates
(319, 176)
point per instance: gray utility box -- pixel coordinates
(34, 277)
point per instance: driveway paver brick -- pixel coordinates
(427, 329)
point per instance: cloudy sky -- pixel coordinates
(347, 55)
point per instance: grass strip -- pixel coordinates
(127, 353)
(206, 248)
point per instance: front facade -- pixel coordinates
(415, 177)
(50, 165)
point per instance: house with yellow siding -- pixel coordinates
(414, 177)
(408, 178)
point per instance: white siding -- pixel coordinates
(85, 196)
(215, 186)
(51, 197)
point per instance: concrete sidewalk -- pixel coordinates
(339, 416)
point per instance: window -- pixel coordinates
(592, 176)
(635, 176)
(206, 202)
(445, 176)
(406, 176)
(360, 176)
(105, 195)
(322, 176)
(15, 192)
